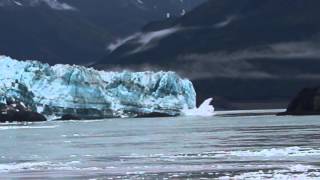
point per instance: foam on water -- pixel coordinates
(268, 153)
(298, 172)
(275, 152)
(43, 166)
(22, 166)
(27, 127)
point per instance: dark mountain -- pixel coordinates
(75, 31)
(50, 36)
(239, 51)
(124, 17)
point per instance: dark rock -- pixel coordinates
(68, 117)
(154, 114)
(21, 116)
(17, 105)
(307, 102)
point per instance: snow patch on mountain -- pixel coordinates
(53, 4)
(119, 42)
(143, 40)
(225, 22)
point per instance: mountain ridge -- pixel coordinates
(74, 31)
(237, 41)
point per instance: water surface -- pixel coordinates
(183, 147)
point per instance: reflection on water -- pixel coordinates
(216, 147)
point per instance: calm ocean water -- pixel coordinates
(159, 148)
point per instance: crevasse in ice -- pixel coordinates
(89, 93)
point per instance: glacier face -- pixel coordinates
(88, 93)
(12, 91)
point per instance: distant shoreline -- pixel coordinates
(237, 113)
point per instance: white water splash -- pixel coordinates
(204, 110)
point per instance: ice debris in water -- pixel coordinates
(89, 93)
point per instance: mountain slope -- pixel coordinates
(44, 34)
(249, 41)
(127, 16)
(74, 31)
(229, 26)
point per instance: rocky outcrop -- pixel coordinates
(10, 113)
(17, 105)
(307, 102)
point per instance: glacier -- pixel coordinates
(91, 94)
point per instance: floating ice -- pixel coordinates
(88, 93)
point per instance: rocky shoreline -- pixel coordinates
(307, 102)
(16, 112)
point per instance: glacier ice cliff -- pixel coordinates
(12, 91)
(88, 93)
(16, 103)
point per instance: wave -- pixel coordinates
(22, 166)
